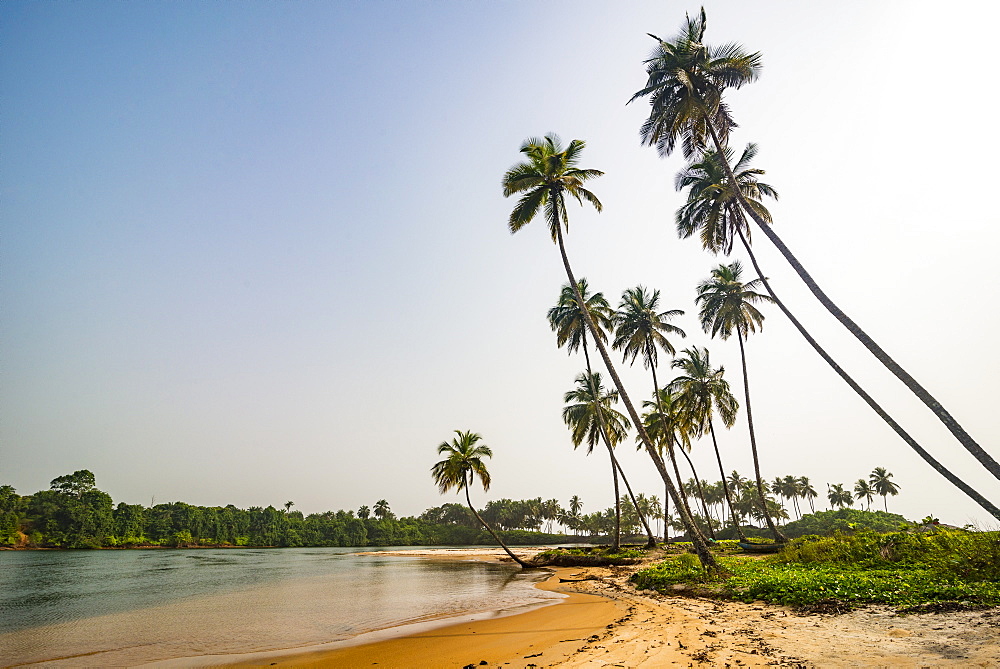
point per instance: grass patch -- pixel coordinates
(899, 569)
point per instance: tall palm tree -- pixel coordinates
(381, 509)
(686, 80)
(575, 505)
(714, 209)
(463, 463)
(567, 321)
(863, 490)
(728, 305)
(548, 173)
(881, 484)
(589, 416)
(791, 488)
(701, 392)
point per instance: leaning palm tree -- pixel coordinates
(543, 180)
(567, 321)
(701, 391)
(714, 209)
(463, 463)
(728, 306)
(590, 417)
(685, 85)
(881, 484)
(863, 490)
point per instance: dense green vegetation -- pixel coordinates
(73, 513)
(922, 566)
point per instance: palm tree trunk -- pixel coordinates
(775, 532)
(725, 485)
(489, 529)
(970, 444)
(700, 547)
(616, 541)
(651, 540)
(869, 400)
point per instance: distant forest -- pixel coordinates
(74, 513)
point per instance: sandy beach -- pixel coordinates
(605, 622)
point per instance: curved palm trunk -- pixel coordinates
(651, 540)
(700, 547)
(775, 532)
(725, 486)
(970, 444)
(869, 400)
(489, 529)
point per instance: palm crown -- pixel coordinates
(727, 304)
(549, 172)
(701, 390)
(713, 207)
(640, 329)
(685, 81)
(463, 462)
(580, 413)
(568, 322)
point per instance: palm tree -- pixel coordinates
(546, 176)
(701, 391)
(575, 505)
(838, 496)
(665, 422)
(712, 209)
(639, 329)
(288, 505)
(463, 463)
(791, 488)
(567, 321)
(381, 509)
(364, 512)
(686, 80)
(863, 490)
(590, 418)
(882, 485)
(807, 490)
(728, 306)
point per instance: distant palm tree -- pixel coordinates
(463, 463)
(364, 512)
(590, 418)
(381, 509)
(838, 496)
(686, 80)
(882, 485)
(807, 490)
(548, 174)
(728, 305)
(863, 490)
(575, 505)
(568, 322)
(288, 506)
(701, 392)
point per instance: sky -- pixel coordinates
(257, 252)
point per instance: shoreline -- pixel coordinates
(605, 622)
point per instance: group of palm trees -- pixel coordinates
(686, 83)
(877, 483)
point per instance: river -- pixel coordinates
(131, 607)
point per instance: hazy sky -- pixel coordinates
(257, 252)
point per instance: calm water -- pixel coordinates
(99, 608)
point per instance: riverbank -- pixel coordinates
(605, 622)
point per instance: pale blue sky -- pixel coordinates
(254, 252)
